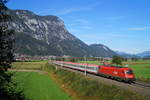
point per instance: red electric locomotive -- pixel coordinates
(116, 72)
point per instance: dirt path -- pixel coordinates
(25, 70)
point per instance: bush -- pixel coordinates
(117, 60)
(8, 88)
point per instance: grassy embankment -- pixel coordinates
(37, 86)
(141, 68)
(83, 88)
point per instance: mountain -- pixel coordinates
(47, 31)
(101, 50)
(126, 55)
(47, 35)
(144, 54)
(148, 57)
(25, 44)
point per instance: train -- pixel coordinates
(114, 72)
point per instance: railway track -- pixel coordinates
(142, 88)
(138, 87)
(143, 84)
(145, 87)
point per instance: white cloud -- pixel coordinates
(87, 27)
(74, 31)
(77, 9)
(82, 21)
(80, 24)
(139, 28)
(44, 11)
(103, 36)
(73, 24)
(71, 10)
(65, 11)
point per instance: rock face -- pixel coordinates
(45, 28)
(47, 35)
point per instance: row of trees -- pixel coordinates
(115, 59)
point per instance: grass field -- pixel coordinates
(29, 65)
(141, 68)
(38, 86)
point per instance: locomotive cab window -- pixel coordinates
(129, 72)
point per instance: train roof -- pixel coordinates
(113, 66)
(84, 64)
(92, 65)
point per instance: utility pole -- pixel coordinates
(55, 62)
(85, 65)
(50, 60)
(61, 61)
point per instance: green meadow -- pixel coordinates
(141, 70)
(38, 86)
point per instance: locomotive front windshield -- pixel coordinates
(129, 72)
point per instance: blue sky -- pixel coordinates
(122, 25)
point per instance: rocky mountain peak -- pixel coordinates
(40, 27)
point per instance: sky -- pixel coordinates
(122, 25)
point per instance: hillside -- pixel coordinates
(144, 54)
(101, 50)
(127, 55)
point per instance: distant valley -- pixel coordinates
(145, 54)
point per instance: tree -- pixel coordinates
(117, 60)
(73, 59)
(7, 87)
(134, 59)
(6, 38)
